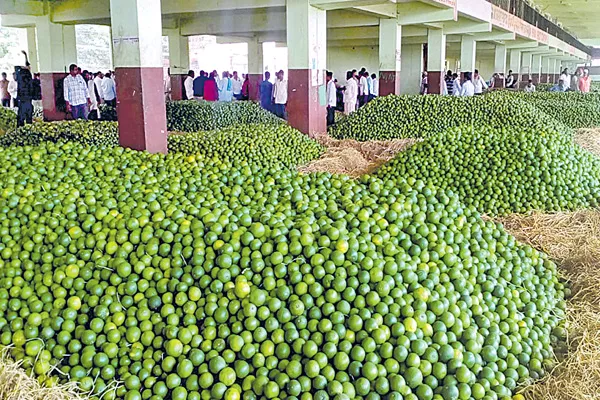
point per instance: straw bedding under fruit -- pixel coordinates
(355, 158)
(573, 241)
(589, 139)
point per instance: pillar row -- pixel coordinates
(136, 30)
(255, 67)
(56, 47)
(179, 61)
(436, 59)
(390, 48)
(307, 37)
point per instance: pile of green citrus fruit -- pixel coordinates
(86, 132)
(261, 144)
(504, 171)
(575, 110)
(8, 120)
(194, 116)
(392, 117)
(144, 276)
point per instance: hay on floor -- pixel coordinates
(589, 139)
(573, 241)
(355, 158)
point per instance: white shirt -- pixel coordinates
(457, 87)
(363, 89)
(280, 92)
(468, 89)
(351, 91)
(236, 85)
(225, 92)
(375, 87)
(12, 89)
(530, 89)
(566, 80)
(98, 83)
(93, 99)
(331, 94)
(188, 84)
(479, 84)
(108, 89)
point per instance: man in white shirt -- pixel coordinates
(331, 98)
(479, 83)
(188, 85)
(280, 94)
(375, 86)
(468, 89)
(566, 79)
(456, 87)
(363, 90)
(530, 88)
(98, 76)
(236, 86)
(510, 80)
(76, 94)
(94, 112)
(108, 90)
(350, 93)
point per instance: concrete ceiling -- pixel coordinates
(578, 16)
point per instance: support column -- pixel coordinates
(390, 48)
(137, 29)
(436, 59)
(307, 56)
(500, 65)
(255, 67)
(536, 68)
(468, 50)
(546, 69)
(515, 64)
(32, 49)
(526, 66)
(179, 61)
(56, 50)
(556, 70)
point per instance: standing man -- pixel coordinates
(468, 89)
(350, 93)
(280, 94)
(566, 79)
(108, 90)
(266, 93)
(4, 91)
(331, 98)
(12, 91)
(375, 86)
(225, 88)
(25, 97)
(510, 80)
(479, 83)
(449, 83)
(94, 110)
(424, 84)
(236, 86)
(167, 86)
(76, 93)
(199, 85)
(98, 82)
(585, 82)
(363, 89)
(188, 85)
(36, 86)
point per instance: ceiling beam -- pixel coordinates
(415, 13)
(496, 37)
(348, 19)
(22, 7)
(387, 10)
(465, 28)
(344, 4)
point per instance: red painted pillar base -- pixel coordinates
(389, 82)
(141, 109)
(535, 78)
(556, 78)
(254, 81)
(177, 89)
(543, 78)
(305, 112)
(434, 82)
(499, 83)
(53, 101)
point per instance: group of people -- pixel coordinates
(274, 96)
(212, 87)
(580, 81)
(361, 87)
(85, 91)
(471, 85)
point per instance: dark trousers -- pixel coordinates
(79, 111)
(112, 103)
(330, 115)
(5, 102)
(25, 114)
(280, 110)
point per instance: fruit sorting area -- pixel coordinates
(221, 271)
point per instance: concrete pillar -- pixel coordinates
(137, 33)
(468, 50)
(255, 67)
(412, 68)
(546, 69)
(32, 49)
(436, 59)
(390, 48)
(500, 65)
(179, 61)
(536, 68)
(307, 57)
(526, 66)
(514, 63)
(56, 50)
(556, 70)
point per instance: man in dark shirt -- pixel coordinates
(25, 95)
(266, 93)
(199, 85)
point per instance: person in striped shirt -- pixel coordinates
(76, 93)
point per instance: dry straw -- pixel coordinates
(573, 241)
(589, 139)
